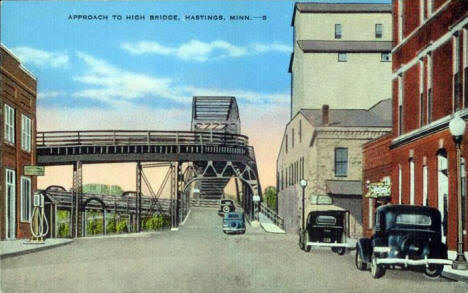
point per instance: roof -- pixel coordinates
(379, 115)
(344, 46)
(345, 187)
(311, 7)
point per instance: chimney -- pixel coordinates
(325, 113)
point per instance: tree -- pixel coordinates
(270, 197)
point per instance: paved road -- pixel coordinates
(200, 258)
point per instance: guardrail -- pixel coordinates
(137, 137)
(272, 215)
(204, 202)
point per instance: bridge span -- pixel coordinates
(201, 161)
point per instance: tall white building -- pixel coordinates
(341, 55)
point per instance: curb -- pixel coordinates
(32, 250)
(455, 277)
(274, 232)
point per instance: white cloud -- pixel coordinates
(196, 50)
(40, 57)
(111, 84)
(50, 94)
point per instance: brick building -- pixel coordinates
(18, 128)
(324, 146)
(430, 84)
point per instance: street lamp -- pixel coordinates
(303, 185)
(457, 130)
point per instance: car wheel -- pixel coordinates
(307, 248)
(360, 263)
(226, 209)
(340, 250)
(377, 271)
(433, 271)
(301, 242)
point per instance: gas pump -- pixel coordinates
(38, 220)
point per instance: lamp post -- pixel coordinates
(303, 185)
(457, 130)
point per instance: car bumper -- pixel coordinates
(334, 244)
(234, 229)
(413, 262)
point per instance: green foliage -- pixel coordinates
(121, 226)
(94, 223)
(63, 223)
(156, 222)
(270, 198)
(98, 188)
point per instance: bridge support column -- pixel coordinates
(76, 214)
(175, 196)
(138, 197)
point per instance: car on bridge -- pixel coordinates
(406, 236)
(226, 206)
(327, 227)
(234, 222)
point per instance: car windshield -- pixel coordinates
(326, 220)
(233, 216)
(413, 219)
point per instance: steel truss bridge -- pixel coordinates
(200, 162)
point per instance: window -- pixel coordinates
(25, 133)
(25, 199)
(400, 104)
(400, 20)
(9, 124)
(10, 212)
(300, 131)
(399, 183)
(385, 57)
(413, 219)
(342, 57)
(286, 140)
(338, 31)
(429, 88)
(425, 177)
(341, 162)
(422, 15)
(411, 172)
(421, 93)
(429, 7)
(465, 66)
(457, 85)
(292, 138)
(378, 31)
(371, 213)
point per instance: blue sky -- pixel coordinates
(143, 74)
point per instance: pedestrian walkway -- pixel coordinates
(10, 248)
(454, 274)
(268, 225)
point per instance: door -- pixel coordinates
(10, 204)
(442, 182)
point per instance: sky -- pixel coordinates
(120, 73)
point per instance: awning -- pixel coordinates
(344, 187)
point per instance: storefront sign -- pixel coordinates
(379, 189)
(34, 170)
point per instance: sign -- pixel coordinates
(321, 199)
(378, 190)
(30, 170)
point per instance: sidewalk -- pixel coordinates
(454, 274)
(268, 225)
(9, 248)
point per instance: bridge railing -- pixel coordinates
(272, 215)
(127, 137)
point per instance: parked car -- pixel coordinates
(226, 206)
(326, 228)
(234, 222)
(405, 237)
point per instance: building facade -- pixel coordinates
(18, 120)
(324, 146)
(341, 55)
(430, 67)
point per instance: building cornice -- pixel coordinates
(332, 46)
(426, 130)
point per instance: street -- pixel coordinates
(200, 258)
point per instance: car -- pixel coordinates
(234, 222)
(226, 206)
(326, 228)
(405, 236)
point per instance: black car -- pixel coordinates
(226, 206)
(405, 236)
(326, 228)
